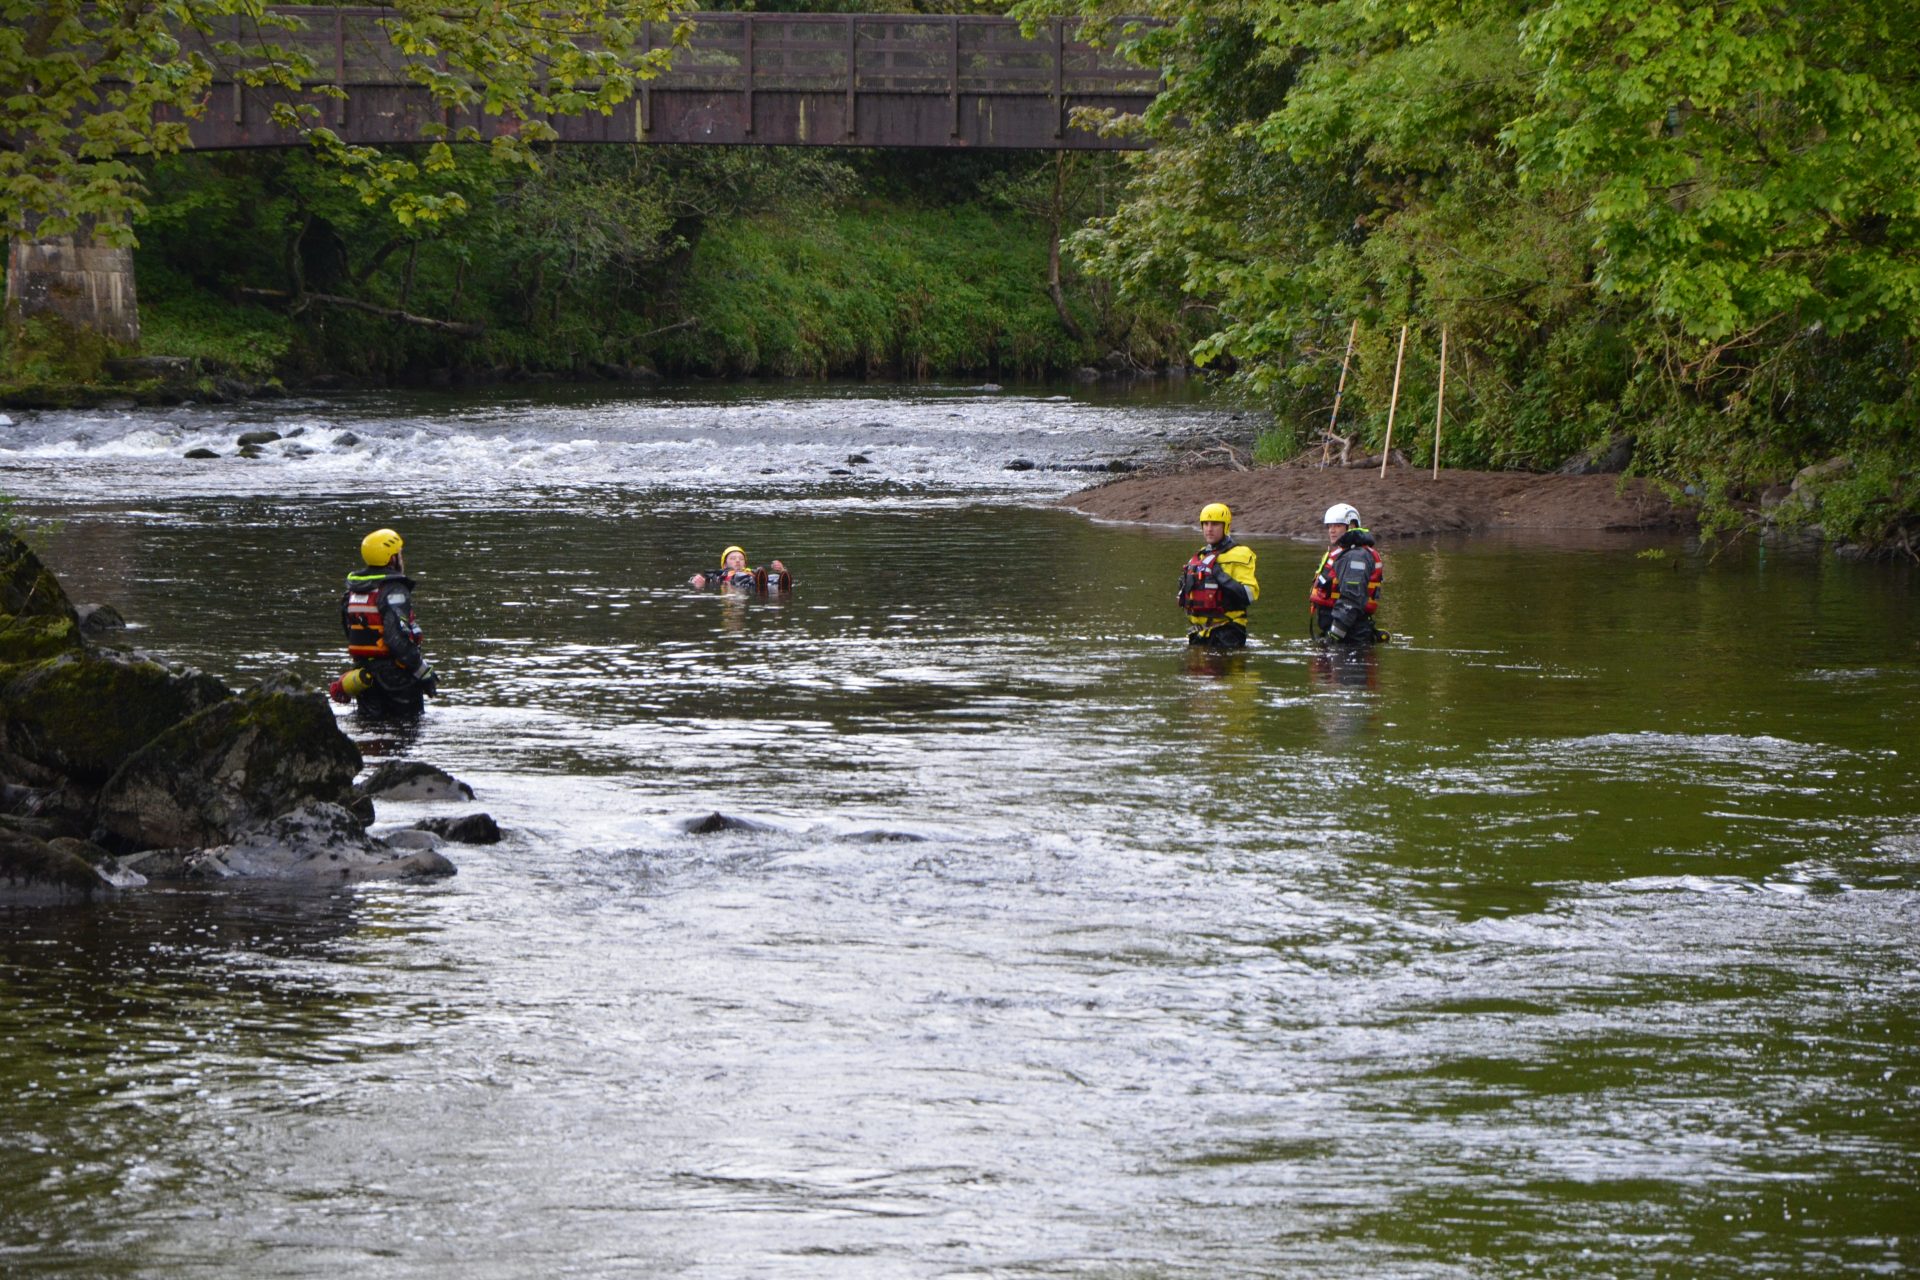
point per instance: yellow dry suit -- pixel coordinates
(1215, 589)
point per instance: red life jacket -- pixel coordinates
(366, 624)
(366, 630)
(1326, 592)
(1199, 595)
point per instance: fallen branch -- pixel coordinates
(682, 324)
(1199, 457)
(302, 301)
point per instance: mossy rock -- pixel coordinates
(28, 588)
(33, 871)
(84, 714)
(25, 640)
(230, 767)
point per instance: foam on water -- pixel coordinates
(924, 448)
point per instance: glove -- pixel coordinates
(337, 693)
(1337, 632)
(429, 682)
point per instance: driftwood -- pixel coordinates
(1330, 438)
(300, 302)
(1201, 457)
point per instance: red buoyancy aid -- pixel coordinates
(366, 625)
(1199, 595)
(366, 631)
(1325, 592)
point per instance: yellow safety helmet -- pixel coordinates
(380, 547)
(1217, 511)
(729, 551)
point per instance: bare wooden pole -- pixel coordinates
(1440, 404)
(1394, 403)
(1326, 448)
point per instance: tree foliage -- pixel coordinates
(84, 84)
(1694, 223)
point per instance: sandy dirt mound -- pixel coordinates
(1291, 500)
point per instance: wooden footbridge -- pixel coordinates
(774, 79)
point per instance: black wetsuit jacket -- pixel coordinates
(1350, 576)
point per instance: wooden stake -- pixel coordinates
(1440, 405)
(1394, 403)
(1326, 449)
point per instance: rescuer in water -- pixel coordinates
(1218, 584)
(734, 575)
(390, 675)
(1346, 590)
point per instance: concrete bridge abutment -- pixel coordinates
(76, 279)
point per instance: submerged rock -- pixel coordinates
(229, 767)
(200, 453)
(316, 844)
(474, 828)
(714, 823)
(256, 437)
(99, 619)
(412, 780)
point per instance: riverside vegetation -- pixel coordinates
(695, 261)
(1691, 228)
(1695, 225)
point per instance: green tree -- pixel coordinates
(1693, 223)
(83, 84)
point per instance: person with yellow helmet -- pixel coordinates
(734, 575)
(1346, 589)
(1218, 584)
(390, 673)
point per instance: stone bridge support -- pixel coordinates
(73, 278)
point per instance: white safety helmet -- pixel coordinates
(1341, 513)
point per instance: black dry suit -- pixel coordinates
(1346, 591)
(376, 612)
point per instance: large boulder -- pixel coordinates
(315, 844)
(37, 621)
(83, 714)
(1608, 458)
(229, 768)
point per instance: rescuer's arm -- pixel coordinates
(398, 632)
(1324, 594)
(1237, 583)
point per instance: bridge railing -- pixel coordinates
(835, 59)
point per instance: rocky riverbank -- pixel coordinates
(117, 769)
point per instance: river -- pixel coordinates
(1573, 934)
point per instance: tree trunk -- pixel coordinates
(1058, 214)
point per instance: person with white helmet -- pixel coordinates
(1218, 584)
(1346, 590)
(734, 575)
(390, 675)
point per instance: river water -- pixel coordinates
(1575, 934)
